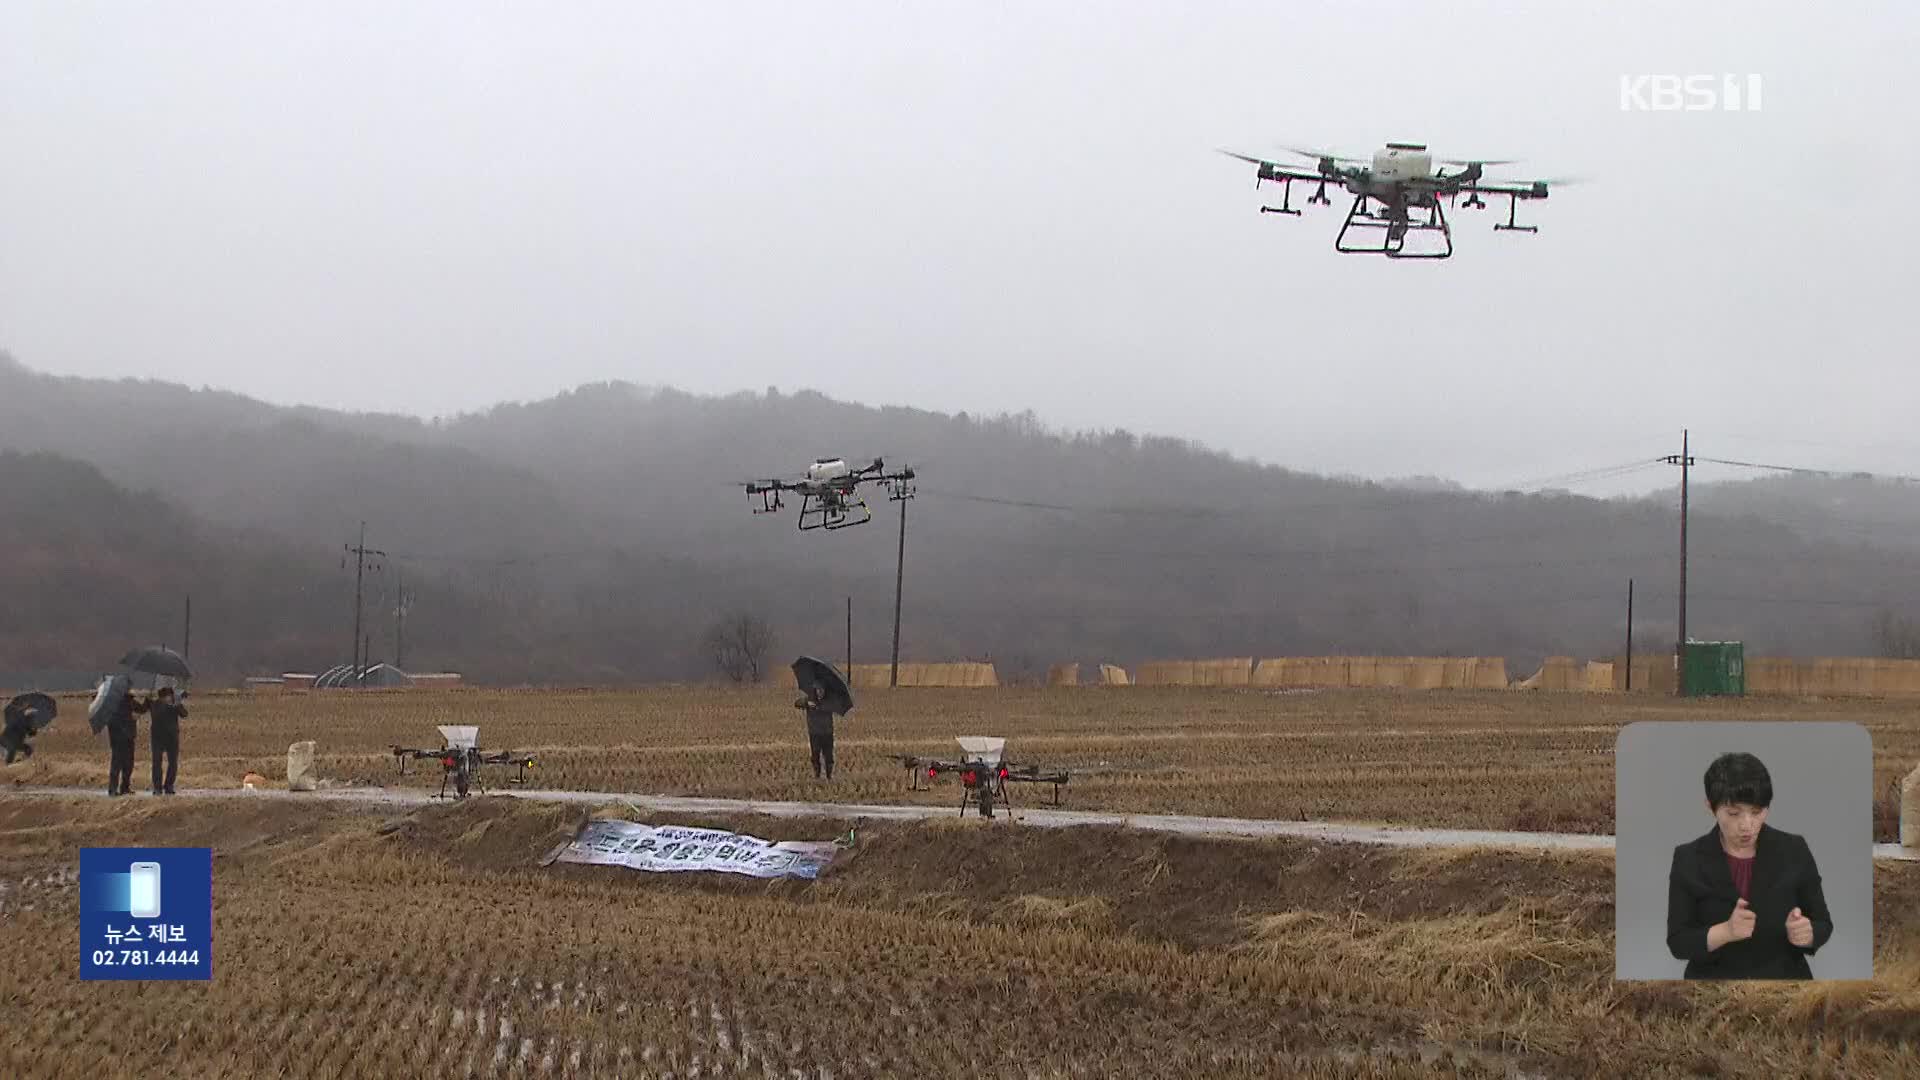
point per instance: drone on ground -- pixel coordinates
(830, 493)
(1402, 180)
(461, 758)
(984, 774)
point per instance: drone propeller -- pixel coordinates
(1324, 155)
(1472, 162)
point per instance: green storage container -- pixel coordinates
(1715, 667)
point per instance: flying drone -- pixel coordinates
(830, 493)
(1395, 194)
(461, 758)
(984, 774)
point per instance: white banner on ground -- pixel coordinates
(666, 848)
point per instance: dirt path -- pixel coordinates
(1332, 832)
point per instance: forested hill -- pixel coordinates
(593, 536)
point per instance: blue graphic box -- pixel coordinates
(146, 913)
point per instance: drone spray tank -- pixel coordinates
(824, 469)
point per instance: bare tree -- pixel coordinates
(739, 644)
(1895, 637)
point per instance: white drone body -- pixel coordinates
(1402, 180)
(830, 492)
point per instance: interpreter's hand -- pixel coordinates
(1740, 923)
(1799, 928)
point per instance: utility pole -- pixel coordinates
(360, 552)
(1685, 461)
(1629, 635)
(901, 491)
(899, 582)
(186, 644)
(849, 671)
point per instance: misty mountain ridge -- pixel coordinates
(591, 536)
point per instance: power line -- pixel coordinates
(1858, 474)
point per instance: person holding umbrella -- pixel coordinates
(823, 694)
(121, 731)
(26, 716)
(114, 708)
(164, 730)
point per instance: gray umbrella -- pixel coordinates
(106, 700)
(156, 660)
(809, 672)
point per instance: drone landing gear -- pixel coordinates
(1513, 207)
(818, 513)
(1395, 224)
(1286, 196)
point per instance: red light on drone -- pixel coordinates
(1003, 772)
(932, 772)
(969, 777)
(447, 761)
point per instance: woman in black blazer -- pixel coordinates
(1744, 901)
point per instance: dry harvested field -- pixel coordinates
(348, 943)
(1493, 760)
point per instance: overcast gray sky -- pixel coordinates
(432, 207)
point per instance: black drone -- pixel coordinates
(461, 759)
(984, 775)
(830, 493)
(1401, 179)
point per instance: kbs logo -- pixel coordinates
(1689, 93)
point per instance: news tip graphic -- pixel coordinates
(146, 913)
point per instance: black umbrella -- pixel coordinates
(156, 660)
(106, 700)
(35, 710)
(809, 672)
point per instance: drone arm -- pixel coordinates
(1273, 170)
(1519, 190)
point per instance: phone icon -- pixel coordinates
(144, 891)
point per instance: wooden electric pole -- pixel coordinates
(1685, 461)
(1629, 634)
(899, 582)
(900, 491)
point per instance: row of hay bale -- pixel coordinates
(1652, 674)
(955, 673)
(1383, 672)
(1235, 672)
(1834, 677)
(1333, 672)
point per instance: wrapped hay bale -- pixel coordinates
(1063, 675)
(301, 775)
(1113, 675)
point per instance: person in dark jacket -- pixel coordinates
(1744, 901)
(163, 729)
(121, 730)
(819, 728)
(16, 739)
